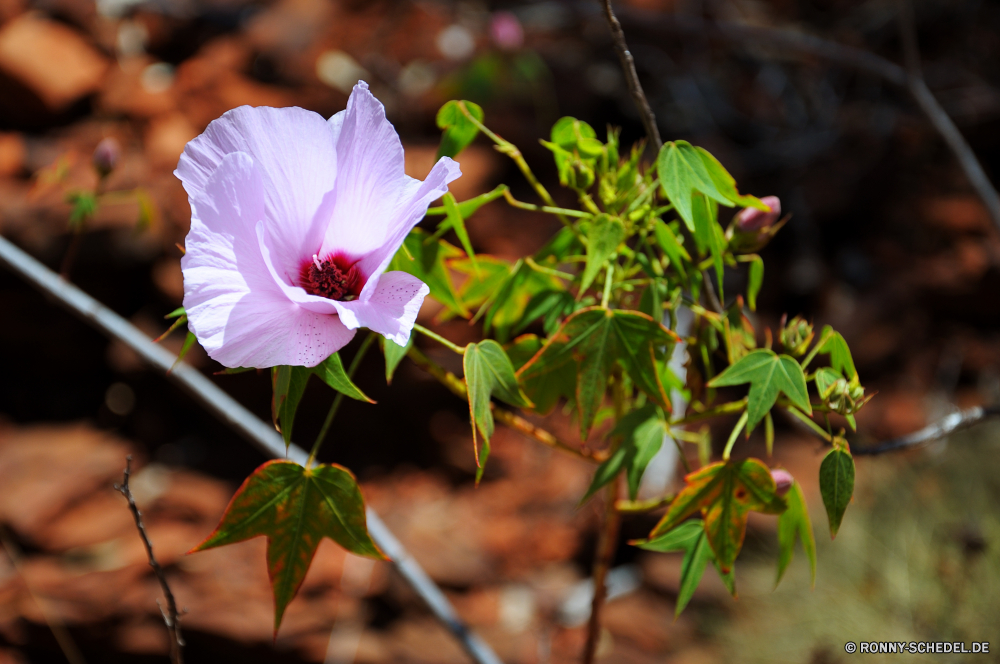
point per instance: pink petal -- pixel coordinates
(374, 203)
(392, 308)
(296, 152)
(239, 314)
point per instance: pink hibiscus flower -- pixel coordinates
(294, 220)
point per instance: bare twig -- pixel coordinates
(63, 638)
(232, 413)
(847, 56)
(171, 617)
(932, 432)
(632, 78)
(606, 544)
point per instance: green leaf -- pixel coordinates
(331, 371)
(289, 384)
(840, 352)
(642, 433)
(489, 373)
(794, 522)
(836, 485)
(562, 245)
(689, 537)
(671, 246)
(605, 234)
(708, 233)
(456, 222)
(295, 508)
(591, 341)
(84, 207)
(755, 279)
(394, 354)
(554, 305)
(426, 261)
(482, 283)
(825, 378)
(505, 311)
(189, 342)
(684, 169)
(544, 388)
(458, 129)
(725, 493)
(768, 374)
(572, 135)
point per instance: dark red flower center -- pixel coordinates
(332, 278)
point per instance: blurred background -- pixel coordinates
(887, 242)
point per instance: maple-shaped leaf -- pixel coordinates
(684, 169)
(545, 388)
(459, 130)
(768, 374)
(840, 352)
(605, 234)
(725, 493)
(488, 373)
(591, 341)
(690, 538)
(794, 523)
(295, 508)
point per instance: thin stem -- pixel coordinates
(632, 78)
(734, 435)
(519, 424)
(815, 350)
(548, 270)
(544, 208)
(438, 338)
(722, 409)
(805, 419)
(605, 553)
(643, 506)
(608, 280)
(170, 616)
(337, 400)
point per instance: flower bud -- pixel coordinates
(506, 31)
(106, 155)
(752, 219)
(844, 397)
(752, 229)
(796, 336)
(783, 480)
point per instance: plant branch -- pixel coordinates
(171, 617)
(932, 432)
(847, 56)
(643, 506)
(232, 413)
(632, 78)
(606, 545)
(438, 338)
(512, 420)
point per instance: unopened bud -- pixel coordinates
(506, 31)
(752, 219)
(796, 336)
(783, 481)
(752, 229)
(106, 156)
(844, 397)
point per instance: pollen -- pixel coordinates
(332, 278)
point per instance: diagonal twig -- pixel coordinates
(171, 617)
(232, 413)
(940, 429)
(847, 56)
(632, 78)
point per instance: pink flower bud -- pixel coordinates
(506, 31)
(752, 219)
(106, 155)
(783, 480)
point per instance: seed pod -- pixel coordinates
(796, 336)
(106, 156)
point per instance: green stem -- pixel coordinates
(732, 437)
(438, 338)
(566, 212)
(809, 422)
(819, 344)
(722, 409)
(330, 414)
(548, 270)
(608, 280)
(641, 506)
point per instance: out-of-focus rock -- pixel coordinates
(957, 213)
(12, 154)
(166, 137)
(45, 469)
(134, 88)
(53, 61)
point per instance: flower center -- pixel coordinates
(331, 278)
